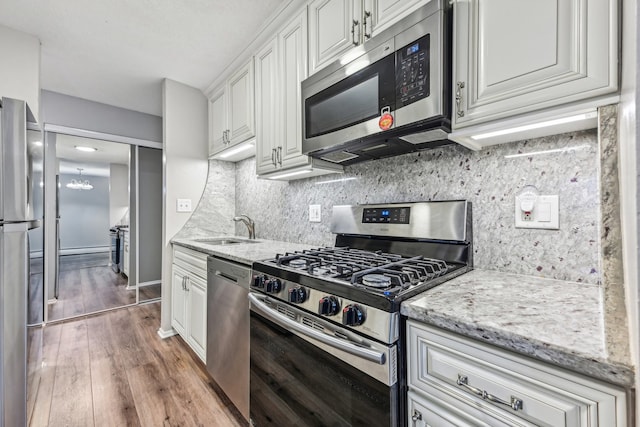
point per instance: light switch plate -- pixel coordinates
(545, 214)
(183, 205)
(314, 213)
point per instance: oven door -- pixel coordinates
(306, 371)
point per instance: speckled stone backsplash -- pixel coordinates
(490, 179)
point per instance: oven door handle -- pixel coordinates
(291, 325)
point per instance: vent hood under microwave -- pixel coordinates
(387, 97)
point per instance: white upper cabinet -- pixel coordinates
(518, 56)
(336, 26)
(293, 54)
(232, 111)
(217, 123)
(240, 105)
(377, 15)
(281, 65)
(267, 108)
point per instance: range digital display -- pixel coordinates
(386, 215)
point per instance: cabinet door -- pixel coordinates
(380, 14)
(292, 42)
(515, 56)
(178, 302)
(217, 123)
(267, 105)
(334, 28)
(197, 316)
(240, 105)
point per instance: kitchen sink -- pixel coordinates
(225, 241)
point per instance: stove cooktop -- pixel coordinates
(375, 278)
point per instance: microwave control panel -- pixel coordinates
(412, 72)
(391, 215)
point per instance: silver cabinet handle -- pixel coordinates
(417, 416)
(224, 137)
(459, 87)
(367, 15)
(514, 403)
(273, 157)
(187, 284)
(184, 278)
(279, 156)
(355, 24)
(371, 355)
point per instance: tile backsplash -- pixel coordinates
(566, 165)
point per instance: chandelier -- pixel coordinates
(80, 184)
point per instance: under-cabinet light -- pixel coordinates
(554, 122)
(555, 150)
(336, 180)
(235, 151)
(287, 175)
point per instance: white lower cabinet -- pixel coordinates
(189, 298)
(457, 381)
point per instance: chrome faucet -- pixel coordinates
(251, 226)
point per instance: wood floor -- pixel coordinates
(113, 369)
(87, 284)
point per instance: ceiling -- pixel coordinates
(94, 163)
(118, 51)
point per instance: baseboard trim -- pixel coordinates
(166, 334)
(82, 251)
(151, 283)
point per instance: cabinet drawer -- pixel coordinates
(192, 261)
(431, 408)
(485, 376)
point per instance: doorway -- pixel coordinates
(99, 249)
(92, 189)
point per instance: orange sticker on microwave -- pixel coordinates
(386, 121)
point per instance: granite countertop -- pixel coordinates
(551, 320)
(244, 253)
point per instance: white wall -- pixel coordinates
(20, 67)
(118, 193)
(78, 113)
(185, 129)
(84, 215)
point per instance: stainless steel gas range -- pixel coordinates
(322, 318)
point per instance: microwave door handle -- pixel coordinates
(291, 325)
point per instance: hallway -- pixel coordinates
(113, 369)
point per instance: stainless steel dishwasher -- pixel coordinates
(228, 329)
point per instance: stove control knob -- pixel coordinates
(259, 281)
(353, 315)
(329, 306)
(297, 295)
(274, 286)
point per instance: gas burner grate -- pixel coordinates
(354, 266)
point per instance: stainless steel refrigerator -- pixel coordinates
(19, 188)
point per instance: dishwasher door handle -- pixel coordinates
(292, 325)
(226, 276)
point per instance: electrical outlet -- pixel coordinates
(541, 213)
(314, 213)
(183, 205)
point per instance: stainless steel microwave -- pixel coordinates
(387, 97)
